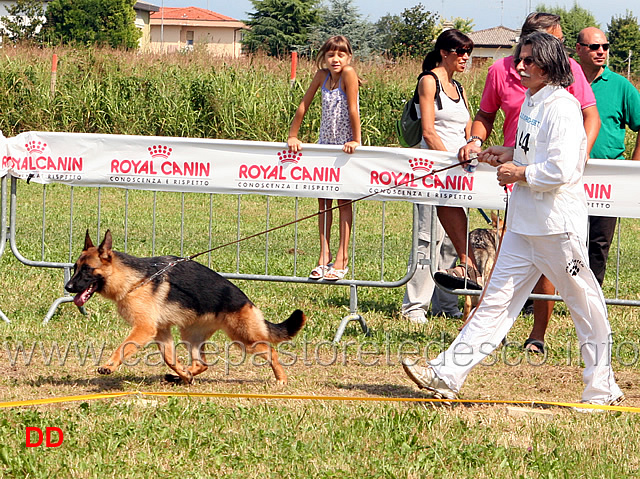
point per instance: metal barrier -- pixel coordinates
(3, 226)
(614, 301)
(57, 249)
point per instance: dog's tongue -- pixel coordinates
(81, 298)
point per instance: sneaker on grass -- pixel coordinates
(416, 316)
(613, 402)
(426, 378)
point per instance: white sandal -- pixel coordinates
(320, 271)
(335, 274)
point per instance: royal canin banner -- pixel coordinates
(319, 171)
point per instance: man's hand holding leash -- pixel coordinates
(502, 156)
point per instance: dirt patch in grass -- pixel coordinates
(325, 376)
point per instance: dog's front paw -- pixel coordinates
(105, 370)
(172, 379)
(175, 379)
(281, 382)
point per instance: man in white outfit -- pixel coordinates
(546, 232)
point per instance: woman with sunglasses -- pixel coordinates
(546, 232)
(445, 119)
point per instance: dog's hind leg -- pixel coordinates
(265, 350)
(138, 338)
(196, 343)
(168, 351)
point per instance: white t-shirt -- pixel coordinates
(551, 142)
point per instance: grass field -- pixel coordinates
(206, 437)
(140, 436)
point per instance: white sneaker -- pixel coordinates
(416, 316)
(426, 378)
(589, 410)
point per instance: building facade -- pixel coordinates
(184, 29)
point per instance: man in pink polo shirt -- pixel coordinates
(504, 91)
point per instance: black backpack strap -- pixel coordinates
(416, 96)
(458, 86)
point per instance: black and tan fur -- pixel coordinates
(484, 244)
(190, 296)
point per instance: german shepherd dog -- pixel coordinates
(188, 295)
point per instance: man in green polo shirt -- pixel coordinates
(618, 103)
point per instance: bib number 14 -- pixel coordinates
(523, 142)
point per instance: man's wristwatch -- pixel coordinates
(475, 138)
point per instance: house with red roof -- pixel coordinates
(188, 28)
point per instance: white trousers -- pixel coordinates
(563, 259)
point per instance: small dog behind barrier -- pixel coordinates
(485, 244)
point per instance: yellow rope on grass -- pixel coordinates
(91, 397)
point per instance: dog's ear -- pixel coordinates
(495, 219)
(105, 247)
(87, 241)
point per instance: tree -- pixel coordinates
(93, 22)
(385, 30)
(411, 33)
(572, 21)
(342, 18)
(280, 26)
(624, 35)
(465, 25)
(24, 20)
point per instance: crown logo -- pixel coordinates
(35, 147)
(420, 164)
(160, 151)
(286, 156)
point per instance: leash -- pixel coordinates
(171, 264)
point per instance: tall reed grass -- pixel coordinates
(196, 95)
(188, 95)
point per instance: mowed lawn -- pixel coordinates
(176, 436)
(179, 436)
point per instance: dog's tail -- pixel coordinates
(287, 329)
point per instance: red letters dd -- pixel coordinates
(48, 431)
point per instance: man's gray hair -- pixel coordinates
(549, 54)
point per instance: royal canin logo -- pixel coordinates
(161, 166)
(422, 175)
(286, 156)
(35, 147)
(421, 164)
(160, 151)
(39, 158)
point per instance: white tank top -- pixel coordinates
(450, 120)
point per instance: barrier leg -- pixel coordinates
(352, 316)
(58, 302)
(64, 299)
(4, 317)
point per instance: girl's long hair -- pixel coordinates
(447, 40)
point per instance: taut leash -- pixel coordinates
(171, 264)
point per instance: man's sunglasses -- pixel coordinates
(595, 46)
(460, 51)
(528, 61)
